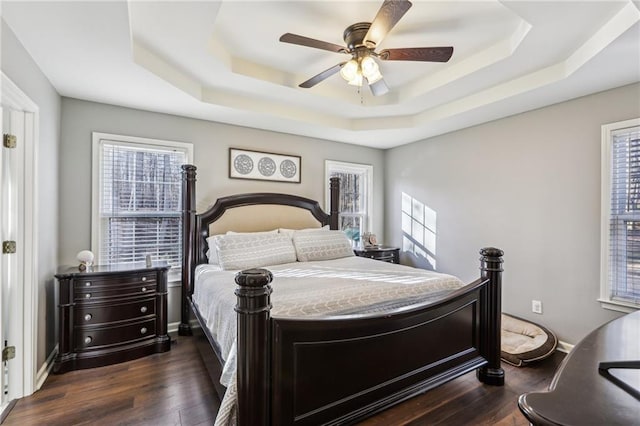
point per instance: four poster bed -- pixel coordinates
(335, 366)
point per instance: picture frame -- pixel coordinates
(259, 165)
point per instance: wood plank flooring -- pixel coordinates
(173, 388)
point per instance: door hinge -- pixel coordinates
(8, 353)
(9, 141)
(8, 247)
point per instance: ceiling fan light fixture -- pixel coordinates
(370, 69)
(350, 70)
(356, 81)
(374, 77)
(369, 66)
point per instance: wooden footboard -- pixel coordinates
(342, 369)
(336, 371)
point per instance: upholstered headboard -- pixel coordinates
(265, 217)
(244, 213)
(257, 212)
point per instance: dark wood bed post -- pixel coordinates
(188, 243)
(490, 316)
(253, 308)
(334, 207)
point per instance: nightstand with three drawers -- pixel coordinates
(111, 314)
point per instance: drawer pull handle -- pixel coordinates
(87, 296)
(87, 340)
(144, 278)
(143, 330)
(88, 317)
(143, 309)
(87, 284)
(144, 289)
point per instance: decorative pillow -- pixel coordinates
(244, 251)
(212, 253)
(291, 231)
(323, 245)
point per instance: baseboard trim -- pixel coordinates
(172, 327)
(6, 409)
(44, 371)
(564, 347)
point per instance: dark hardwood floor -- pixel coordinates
(173, 388)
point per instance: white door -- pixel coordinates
(12, 261)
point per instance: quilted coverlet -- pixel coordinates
(343, 286)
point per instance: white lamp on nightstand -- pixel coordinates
(86, 259)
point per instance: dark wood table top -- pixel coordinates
(579, 394)
(378, 247)
(69, 271)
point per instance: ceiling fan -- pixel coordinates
(362, 39)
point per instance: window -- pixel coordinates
(137, 200)
(620, 257)
(355, 204)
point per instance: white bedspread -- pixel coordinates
(321, 288)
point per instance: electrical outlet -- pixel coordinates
(536, 306)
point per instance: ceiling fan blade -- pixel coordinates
(388, 16)
(430, 54)
(311, 42)
(379, 88)
(322, 76)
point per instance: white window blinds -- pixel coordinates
(139, 211)
(355, 196)
(624, 225)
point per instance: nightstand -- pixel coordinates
(384, 253)
(111, 314)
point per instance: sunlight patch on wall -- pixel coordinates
(419, 232)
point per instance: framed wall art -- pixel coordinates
(256, 165)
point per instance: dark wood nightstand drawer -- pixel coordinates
(99, 282)
(98, 313)
(85, 295)
(91, 338)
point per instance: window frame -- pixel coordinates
(605, 299)
(348, 167)
(96, 167)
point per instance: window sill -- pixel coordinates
(618, 306)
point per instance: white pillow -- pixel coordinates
(244, 251)
(291, 231)
(212, 253)
(324, 245)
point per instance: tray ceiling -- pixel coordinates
(222, 61)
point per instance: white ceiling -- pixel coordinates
(222, 61)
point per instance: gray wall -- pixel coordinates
(24, 72)
(211, 155)
(528, 184)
